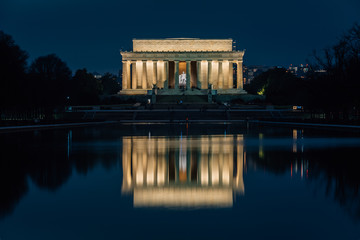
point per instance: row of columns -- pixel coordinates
(146, 161)
(146, 73)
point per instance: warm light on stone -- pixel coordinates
(182, 45)
(180, 172)
(163, 61)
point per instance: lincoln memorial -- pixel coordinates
(171, 65)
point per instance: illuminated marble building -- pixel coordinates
(205, 171)
(182, 63)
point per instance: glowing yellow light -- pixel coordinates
(262, 91)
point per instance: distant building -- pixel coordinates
(250, 72)
(300, 70)
(97, 75)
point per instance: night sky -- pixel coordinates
(89, 34)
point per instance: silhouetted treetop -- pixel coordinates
(110, 84)
(13, 63)
(50, 77)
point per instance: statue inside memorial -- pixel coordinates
(182, 79)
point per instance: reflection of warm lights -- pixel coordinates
(183, 197)
(183, 172)
(261, 147)
(182, 162)
(295, 136)
(214, 171)
(294, 149)
(303, 167)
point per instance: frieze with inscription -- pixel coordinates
(183, 56)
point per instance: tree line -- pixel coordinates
(47, 82)
(334, 90)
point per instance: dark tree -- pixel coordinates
(50, 78)
(284, 88)
(85, 88)
(280, 87)
(110, 84)
(337, 88)
(12, 68)
(258, 84)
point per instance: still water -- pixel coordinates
(180, 182)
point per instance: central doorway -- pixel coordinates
(182, 74)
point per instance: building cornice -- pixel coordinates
(183, 56)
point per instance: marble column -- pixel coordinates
(128, 74)
(198, 71)
(221, 76)
(225, 73)
(155, 72)
(134, 75)
(210, 81)
(124, 75)
(239, 75)
(149, 74)
(204, 74)
(139, 67)
(166, 72)
(176, 74)
(231, 75)
(160, 74)
(188, 71)
(143, 75)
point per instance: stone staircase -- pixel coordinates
(184, 98)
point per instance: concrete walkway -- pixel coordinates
(167, 121)
(50, 126)
(308, 124)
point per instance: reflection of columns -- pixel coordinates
(155, 72)
(134, 77)
(144, 158)
(239, 181)
(162, 163)
(221, 76)
(150, 168)
(210, 81)
(231, 80)
(188, 74)
(239, 75)
(214, 169)
(144, 83)
(198, 71)
(126, 164)
(176, 74)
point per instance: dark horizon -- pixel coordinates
(90, 34)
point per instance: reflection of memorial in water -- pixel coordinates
(183, 172)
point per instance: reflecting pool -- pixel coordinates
(157, 181)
